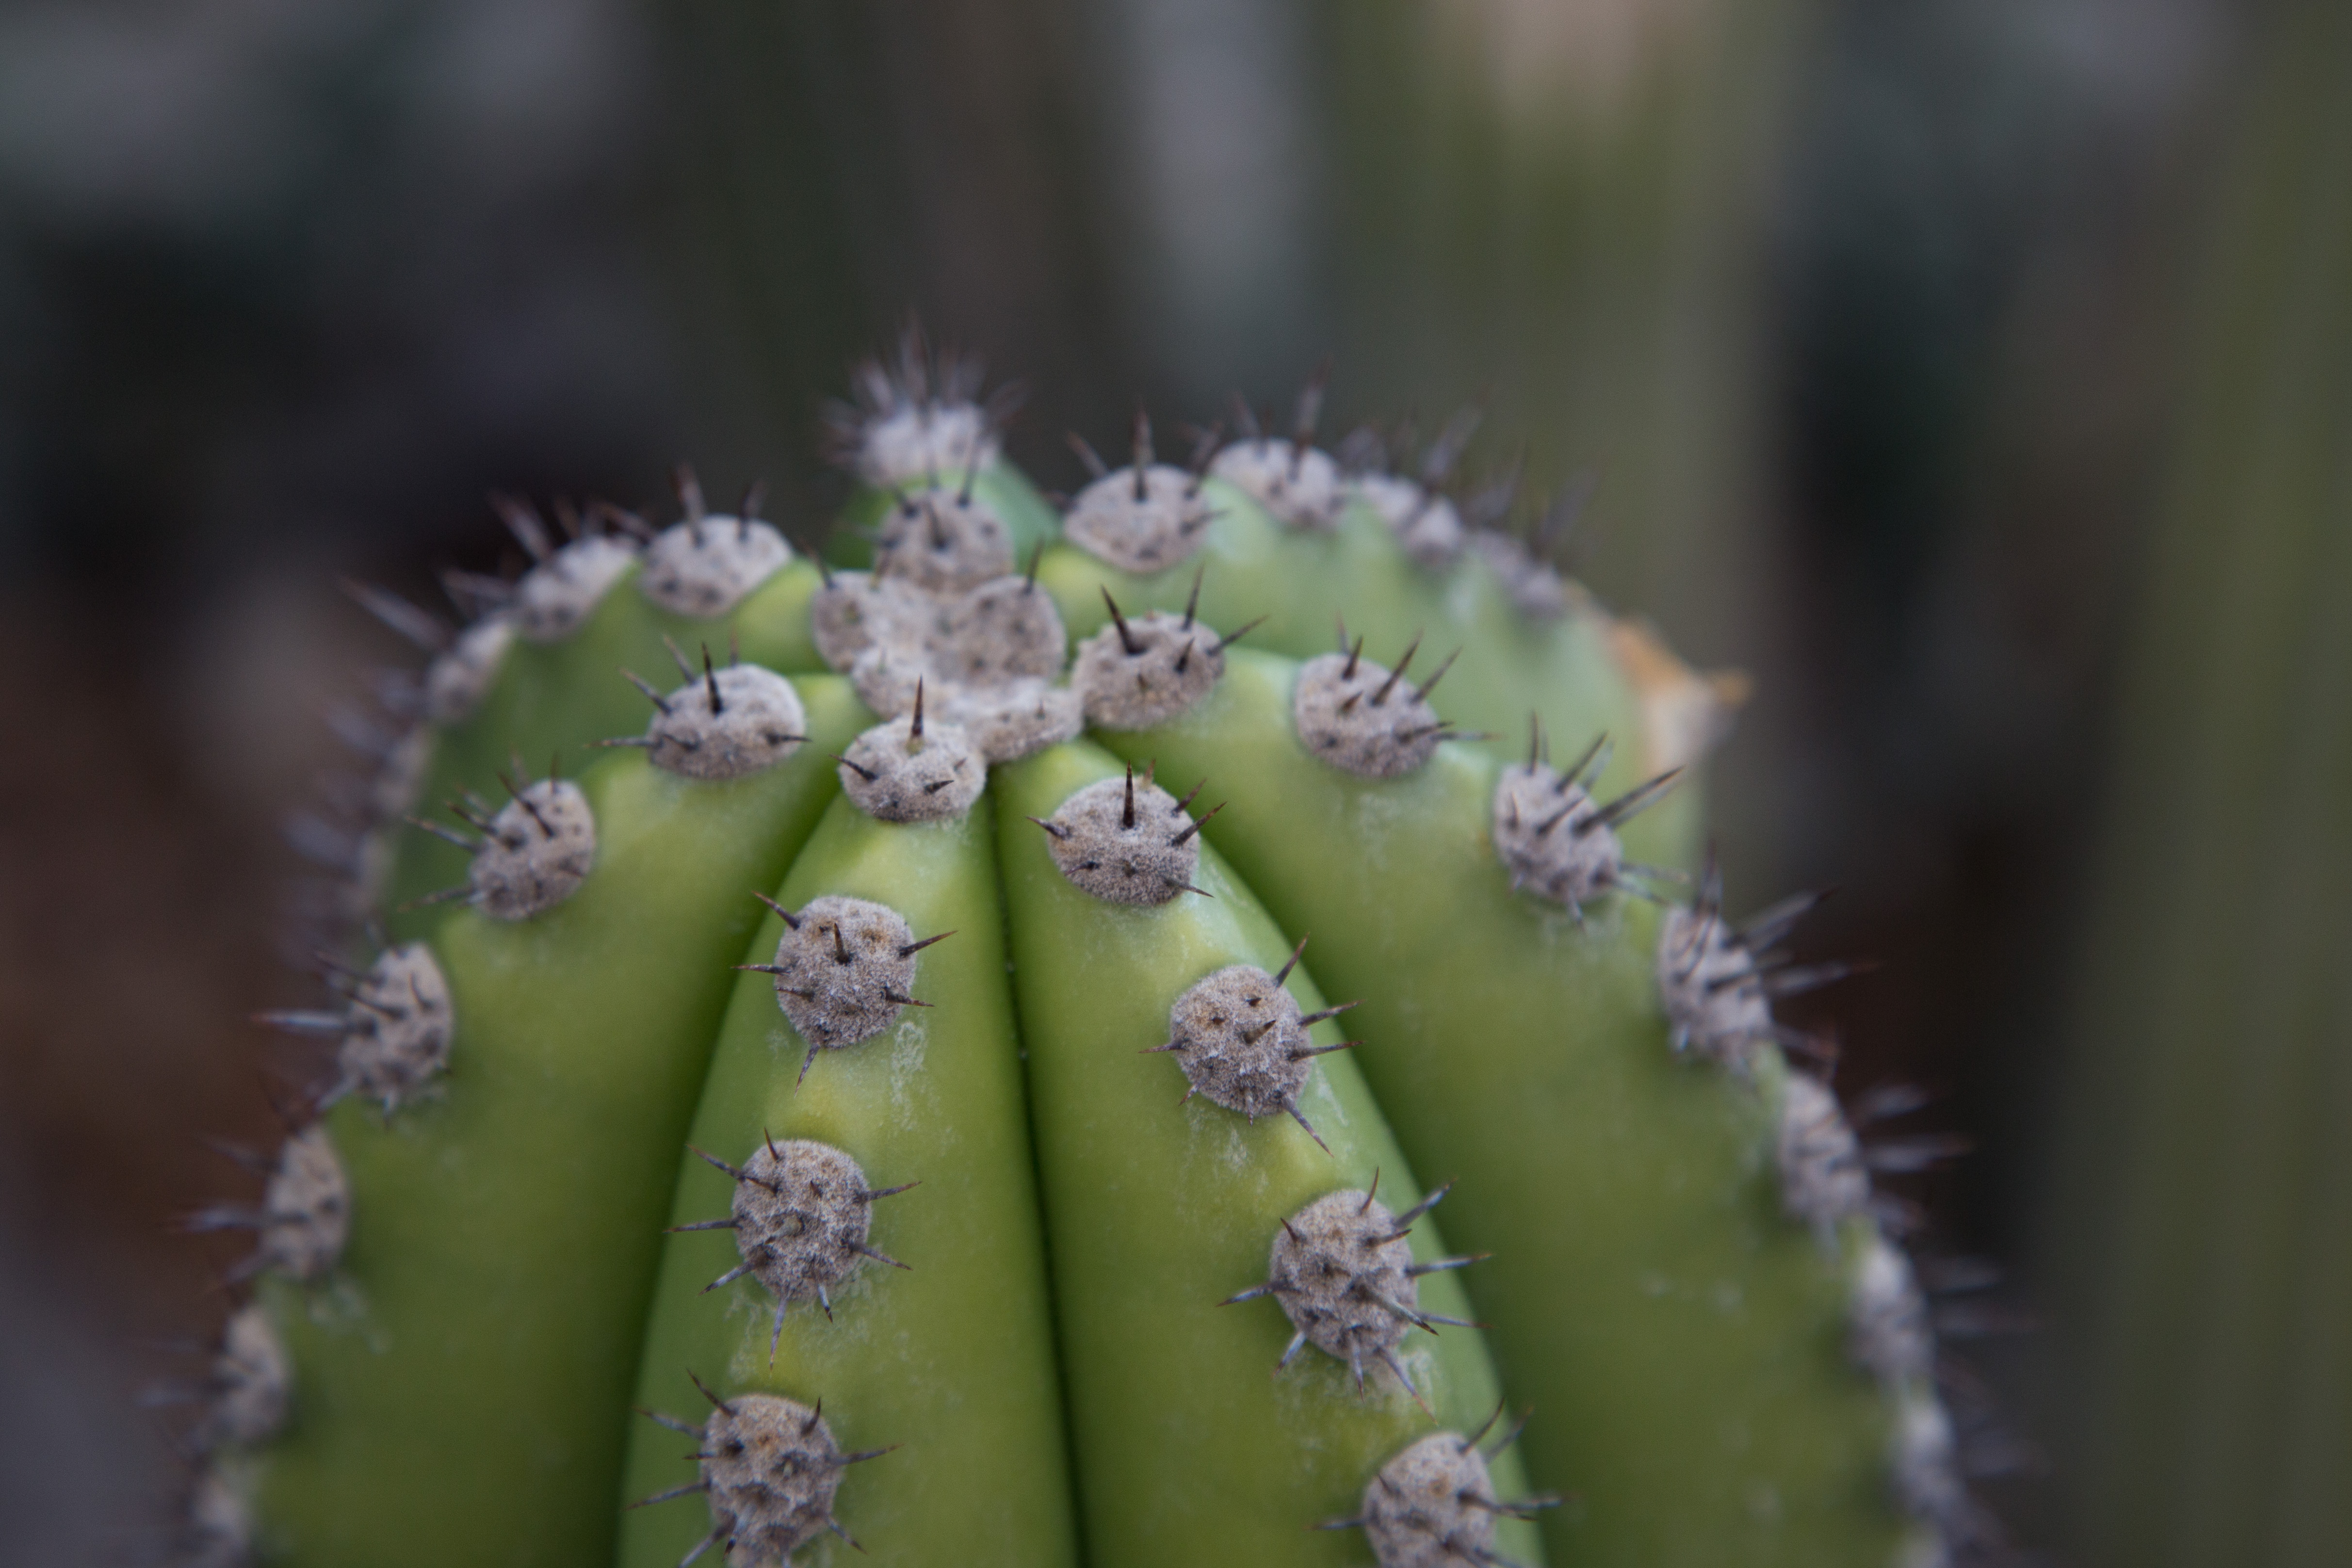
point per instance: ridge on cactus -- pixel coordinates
(580, 1255)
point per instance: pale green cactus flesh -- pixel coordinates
(1168, 1287)
(951, 1359)
(1525, 1056)
(479, 1334)
(1190, 1446)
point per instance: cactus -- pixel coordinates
(895, 1095)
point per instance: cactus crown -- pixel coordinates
(464, 1280)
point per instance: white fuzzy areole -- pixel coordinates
(1238, 1038)
(536, 853)
(457, 679)
(398, 783)
(773, 1470)
(555, 597)
(1714, 997)
(1533, 586)
(1362, 718)
(1010, 721)
(1892, 1334)
(1006, 628)
(754, 721)
(1427, 525)
(1140, 533)
(1424, 1509)
(306, 1207)
(707, 566)
(843, 971)
(1822, 1178)
(801, 1215)
(942, 541)
(1338, 1269)
(924, 442)
(252, 1382)
(885, 677)
(1158, 667)
(896, 774)
(1926, 1461)
(1549, 831)
(400, 1029)
(1124, 842)
(219, 1528)
(1299, 484)
(858, 611)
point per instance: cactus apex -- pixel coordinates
(1142, 671)
(907, 770)
(917, 417)
(855, 611)
(1011, 719)
(944, 539)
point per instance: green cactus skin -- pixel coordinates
(467, 1372)
(550, 698)
(1563, 670)
(1644, 1283)
(952, 1359)
(1157, 1213)
(1055, 1360)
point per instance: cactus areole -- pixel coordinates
(983, 882)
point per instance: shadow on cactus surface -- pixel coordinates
(962, 1058)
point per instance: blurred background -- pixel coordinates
(1975, 373)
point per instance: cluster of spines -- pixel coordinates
(1434, 1504)
(928, 409)
(1824, 1168)
(1343, 1275)
(769, 1469)
(1717, 983)
(391, 1035)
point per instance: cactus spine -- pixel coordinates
(1170, 1290)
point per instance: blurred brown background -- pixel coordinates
(1867, 314)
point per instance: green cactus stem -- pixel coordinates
(465, 1365)
(1024, 1202)
(951, 1357)
(1523, 1052)
(1162, 1202)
